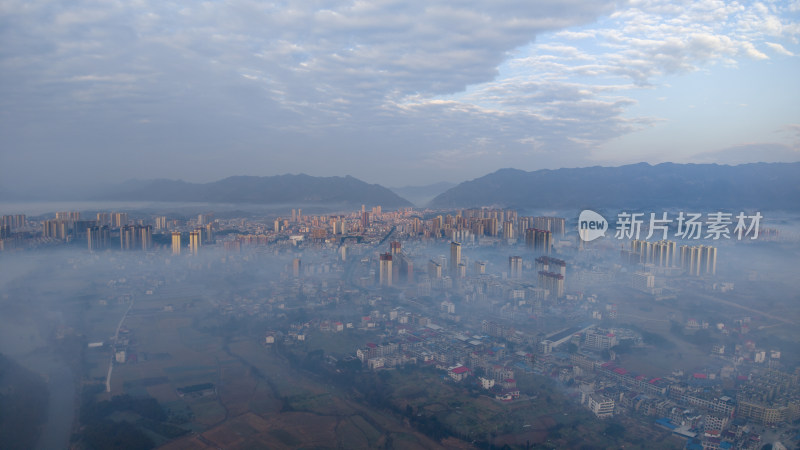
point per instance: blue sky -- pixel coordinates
(393, 92)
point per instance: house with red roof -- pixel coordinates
(458, 373)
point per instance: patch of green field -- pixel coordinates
(338, 344)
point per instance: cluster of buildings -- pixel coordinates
(462, 313)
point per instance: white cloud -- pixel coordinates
(779, 49)
(380, 80)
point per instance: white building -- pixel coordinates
(602, 407)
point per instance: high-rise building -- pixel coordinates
(365, 220)
(508, 230)
(13, 222)
(195, 241)
(699, 260)
(208, 233)
(490, 226)
(708, 260)
(385, 269)
(136, 237)
(339, 226)
(550, 264)
(204, 219)
(434, 269)
(57, 229)
(103, 218)
(98, 238)
(480, 267)
(515, 266)
(540, 241)
(554, 225)
(176, 242)
(455, 256)
(661, 253)
(402, 268)
(72, 216)
(118, 220)
(161, 222)
(553, 282)
(146, 237)
(395, 247)
(599, 341)
(127, 238)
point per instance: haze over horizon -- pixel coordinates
(399, 94)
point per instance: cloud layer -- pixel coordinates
(407, 90)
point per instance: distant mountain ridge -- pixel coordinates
(635, 186)
(280, 189)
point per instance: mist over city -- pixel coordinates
(400, 225)
(415, 327)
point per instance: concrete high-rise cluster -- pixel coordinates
(660, 253)
(72, 216)
(699, 260)
(550, 264)
(364, 220)
(538, 240)
(13, 222)
(56, 229)
(204, 219)
(554, 225)
(66, 226)
(455, 257)
(402, 266)
(98, 238)
(195, 241)
(161, 223)
(553, 282)
(176, 242)
(434, 269)
(339, 226)
(508, 230)
(136, 237)
(118, 220)
(385, 270)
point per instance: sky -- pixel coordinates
(393, 92)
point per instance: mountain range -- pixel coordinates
(273, 190)
(635, 186)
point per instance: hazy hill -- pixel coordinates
(644, 186)
(281, 189)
